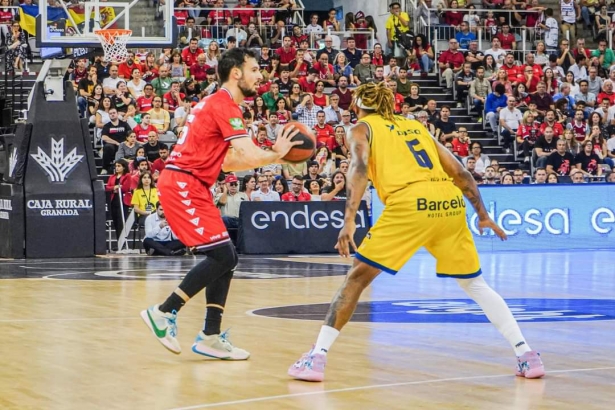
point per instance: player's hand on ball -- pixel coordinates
(345, 240)
(283, 142)
(489, 224)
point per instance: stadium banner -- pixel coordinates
(540, 217)
(295, 227)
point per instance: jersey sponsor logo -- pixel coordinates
(457, 311)
(423, 204)
(236, 123)
(57, 166)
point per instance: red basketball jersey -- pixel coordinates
(204, 142)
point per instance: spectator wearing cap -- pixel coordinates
(360, 23)
(265, 193)
(296, 193)
(229, 201)
(159, 237)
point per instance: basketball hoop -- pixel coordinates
(114, 43)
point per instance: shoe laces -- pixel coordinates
(172, 323)
(224, 339)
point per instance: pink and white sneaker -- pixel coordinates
(311, 367)
(530, 366)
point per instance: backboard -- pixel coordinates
(153, 25)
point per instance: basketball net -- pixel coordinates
(114, 44)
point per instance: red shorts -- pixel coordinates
(189, 207)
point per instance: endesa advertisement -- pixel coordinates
(538, 217)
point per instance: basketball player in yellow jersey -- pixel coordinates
(423, 187)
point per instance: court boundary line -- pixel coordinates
(371, 387)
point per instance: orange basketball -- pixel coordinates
(305, 151)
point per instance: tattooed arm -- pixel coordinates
(356, 182)
(465, 181)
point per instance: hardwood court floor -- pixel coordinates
(71, 336)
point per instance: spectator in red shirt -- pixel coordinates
(190, 53)
(125, 69)
(323, 130)
(287, 52)
(507, 39)
(551, 121)
(159, 164)
(261, 139)
(142, 130)
(298, 36)
(296, 193)
(529, 79)
(399, 99)
(461, 144)
(515, 72)
(536, 68)
(607, 92)
(145, 102)
(198, 71)
(451, 62)
(244, 12)
(308, 84)
(173, 98)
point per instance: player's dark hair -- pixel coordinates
(233, 58)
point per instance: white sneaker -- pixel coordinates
(218, 346)
(163, 326)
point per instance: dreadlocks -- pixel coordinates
(375, 97)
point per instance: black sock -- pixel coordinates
(213, 320)
(218, 261)
(173, 303)
(216, 295)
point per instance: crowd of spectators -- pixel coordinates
(556, 94)
(559, 90)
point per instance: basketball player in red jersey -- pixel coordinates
(201, 152)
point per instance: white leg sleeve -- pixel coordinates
(496, 311)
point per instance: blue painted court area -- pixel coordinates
(539, 287)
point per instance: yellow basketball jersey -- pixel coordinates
(402, 153)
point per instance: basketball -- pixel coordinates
(305, 151)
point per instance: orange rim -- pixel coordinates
(110, 34)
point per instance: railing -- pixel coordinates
(317, 40)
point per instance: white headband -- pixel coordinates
(359, 103)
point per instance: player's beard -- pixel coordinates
(245, 90)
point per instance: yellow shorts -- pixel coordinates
(426, 214)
